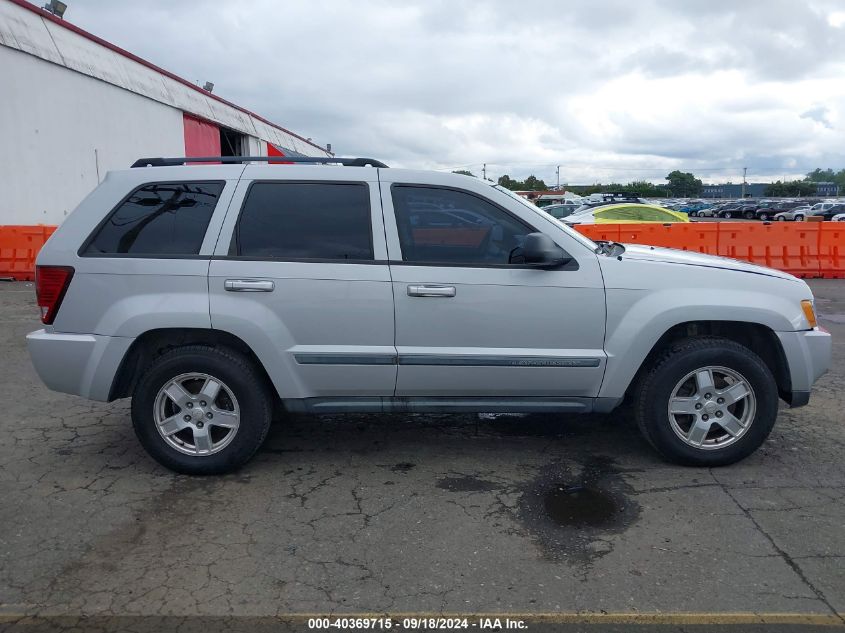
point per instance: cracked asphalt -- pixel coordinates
(416, 513)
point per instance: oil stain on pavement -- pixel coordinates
(571, 515)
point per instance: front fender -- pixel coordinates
(638, 318)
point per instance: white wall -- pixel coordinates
(27, 31)
(51, 121)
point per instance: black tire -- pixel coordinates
(799, 218)
(654, 390)
(727, 215)
(780, 218)
(749, 215)
(693, 214)
(246, 383)
(764, 217)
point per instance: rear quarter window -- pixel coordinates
(158, 219)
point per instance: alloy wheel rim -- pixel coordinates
(712, 407)
(197, 414)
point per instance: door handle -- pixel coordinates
(431, 291)
(249, 285)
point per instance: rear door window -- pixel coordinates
(160, 219)
(311, 221)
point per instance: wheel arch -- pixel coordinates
(153, 343)
(757, 337)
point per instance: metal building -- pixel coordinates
(73, 106)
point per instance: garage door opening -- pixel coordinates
(232, 143)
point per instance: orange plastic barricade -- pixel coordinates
(19, 246)
(793, 248)
(805, 249)
(700, 237)
(607, 232)
(832, 250)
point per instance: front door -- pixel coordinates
(470, 320)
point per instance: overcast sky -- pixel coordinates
(611, 90)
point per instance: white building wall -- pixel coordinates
(52, 121)
(27, 31)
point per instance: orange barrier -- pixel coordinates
(805, 249)
(700, 237)
(832, 250)
(605, 232)
(793, 248)
(19, 246)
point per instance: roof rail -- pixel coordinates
(169, 162)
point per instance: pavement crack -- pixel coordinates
(787, 558)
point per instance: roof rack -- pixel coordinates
(169, 162)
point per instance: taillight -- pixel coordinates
(51, 283)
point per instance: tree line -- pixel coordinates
(680, 184)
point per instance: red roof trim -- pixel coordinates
(72, 27)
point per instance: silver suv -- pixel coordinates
(216, 295)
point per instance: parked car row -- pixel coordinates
(780, 210)
(766, 210)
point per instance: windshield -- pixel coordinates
(584, 240)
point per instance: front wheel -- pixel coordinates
(764, 217)
(201, 410)
(799, 218)
(707, 402)
(781, 218)
(749, 215)
(727, 215)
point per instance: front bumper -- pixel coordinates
(80, 364)
(808, 355)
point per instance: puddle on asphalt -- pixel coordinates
(571, 512)
(580, 506)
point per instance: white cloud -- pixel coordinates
(836, 19)
(610, 89)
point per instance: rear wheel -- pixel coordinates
(201, 410)
(799, 218)
(707, 402)
(727, 215)
(765, 217)
(749, 215)
(781, 218)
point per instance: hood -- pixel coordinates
(689, 258)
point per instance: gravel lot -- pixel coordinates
(422, 513)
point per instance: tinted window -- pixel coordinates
(455, 227)
(159, 219)
(306, 221)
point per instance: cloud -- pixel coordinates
(608, 88)
(819, 115)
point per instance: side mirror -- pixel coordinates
(540, 251)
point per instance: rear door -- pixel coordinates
(300, 274)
